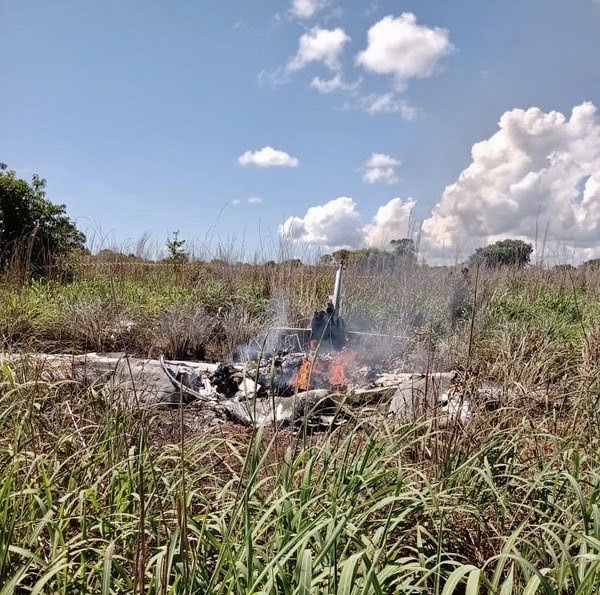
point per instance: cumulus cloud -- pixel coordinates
(539, 174)
(380, 168)
(319, 45)
(404, 49)
(255, 200)
(392, 222)
(338, 224)
(388, 103)
(268, 157)
(538, 171)
(334, 84)
(235, 202)
(305, 9)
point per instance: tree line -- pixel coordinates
(39, 239)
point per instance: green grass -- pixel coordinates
(99, 500)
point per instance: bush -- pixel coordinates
(503, 253)
(36, 236)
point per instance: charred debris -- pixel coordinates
(315, 376)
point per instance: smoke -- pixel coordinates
(266, 343)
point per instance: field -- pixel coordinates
(99, 500)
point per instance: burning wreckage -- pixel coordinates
(316, 377)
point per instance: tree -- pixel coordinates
(106, 255)
(405, 253)
(405, 249)
(503, 253)
(35, 234)
(361, 259)
(177, 255)
(593, 263)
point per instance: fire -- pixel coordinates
(301, 378)
(316, 371)
(337, 368)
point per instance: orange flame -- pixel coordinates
(337, 368)
(302, 377)
(309, 371)
(318, 371)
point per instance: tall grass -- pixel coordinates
(129, 305)
(95, 499)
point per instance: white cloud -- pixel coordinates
(235, 202)
(388, 103)
(319, 45)
(274, 77)
(268, 157)
(382, 160)
(404, 49)
(334, 84)
(255, 200)
(380, 168)
(305, 9)
(539, 171)
(338, 224)
(392, 222)
(539, 174)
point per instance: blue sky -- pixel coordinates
(137, 114)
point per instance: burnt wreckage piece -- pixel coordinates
(327, 327)
(327, 330)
